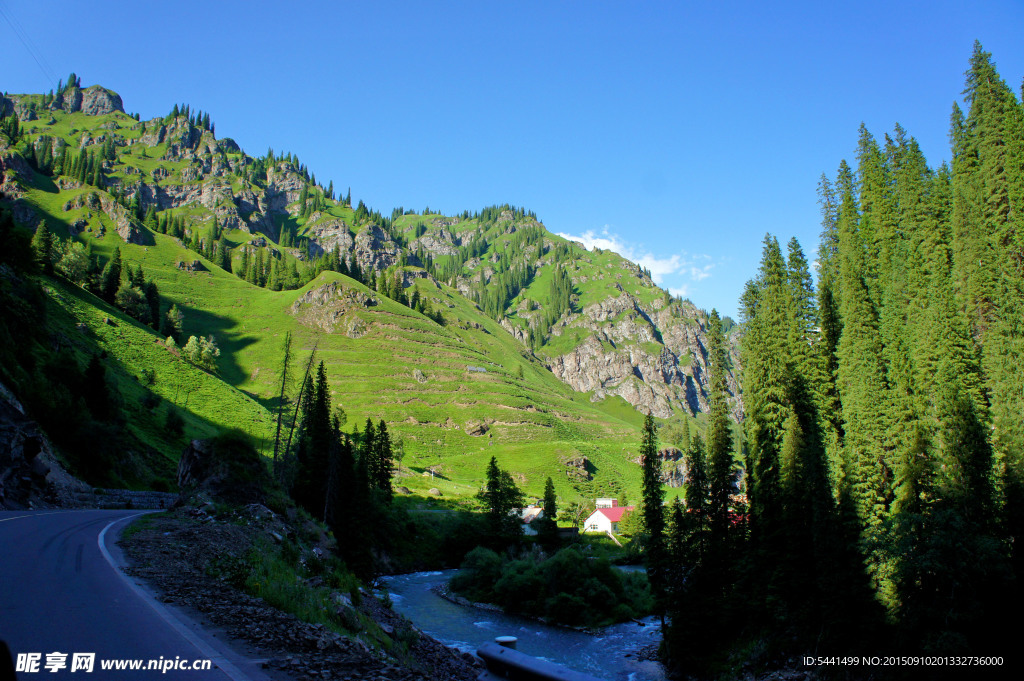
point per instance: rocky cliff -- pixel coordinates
(652, 355)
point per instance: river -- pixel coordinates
(603, 655)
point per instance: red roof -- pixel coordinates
(615, 513)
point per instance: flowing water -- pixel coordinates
(611, 654)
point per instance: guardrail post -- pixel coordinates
(506, 641)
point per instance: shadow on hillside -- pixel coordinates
(231, 344)
(125, 456)
(273, 402)
(426, 469)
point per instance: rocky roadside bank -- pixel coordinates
(173, 553)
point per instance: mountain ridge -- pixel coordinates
(196, 205)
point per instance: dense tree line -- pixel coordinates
(883, 443)
(342, 479)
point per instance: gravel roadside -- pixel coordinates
(172, 553)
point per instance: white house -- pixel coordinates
(606, 518)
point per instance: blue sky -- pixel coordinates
(677, 133)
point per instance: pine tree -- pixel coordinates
(152, 296)
(697, 492)
(653, 513)
(286, 358)
(383, 462)
(42, 248)
(96, 391)
(110, 277)
(171, 325)
(547, 530)
(313, 456)
(501, 497)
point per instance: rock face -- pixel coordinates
(650, 357)
(30, 474)
(374, 249)
(125, 223)
(442, 242)
(94, 100)
(330, 234)
(97, 101)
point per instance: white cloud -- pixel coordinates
(700, 273)
(681, 292)
(676, 264)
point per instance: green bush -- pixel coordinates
(569, 587)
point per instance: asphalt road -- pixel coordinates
(61, 592)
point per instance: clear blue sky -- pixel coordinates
(681, 132)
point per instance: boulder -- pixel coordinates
(478, 428)
(226, 468)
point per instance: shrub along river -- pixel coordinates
(610, 654)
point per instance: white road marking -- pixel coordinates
(30, 515)
(222, 663)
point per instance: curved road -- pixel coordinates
(60, 592)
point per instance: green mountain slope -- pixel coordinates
(474, 335)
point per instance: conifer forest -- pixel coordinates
(883, 445)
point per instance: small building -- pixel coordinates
(528, 515)
(606, 519)
(604, 502)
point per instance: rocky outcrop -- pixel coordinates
(225, 468)
(284, 186)
(673, 466)
(651, 356)
(13, 171)
(332, 306)
(94, 100)
(442, 242)
(374, 249)
(330, 234)
(476, 428)
(125, 223)
(89, 200)
(30, 474)
(577, 468)
(97, 101)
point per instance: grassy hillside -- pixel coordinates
(457, 388)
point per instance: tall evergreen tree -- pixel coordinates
(110, 277)
(42, 248)
(313, 457)
(383, 462)
(653, 513)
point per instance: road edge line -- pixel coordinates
(206, 649)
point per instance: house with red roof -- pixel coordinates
(606, 517)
